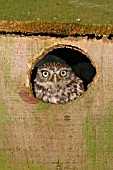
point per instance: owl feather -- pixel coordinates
(56, 83)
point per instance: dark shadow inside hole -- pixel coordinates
(79, 62)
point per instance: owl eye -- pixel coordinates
(63, 73)
(45, 73)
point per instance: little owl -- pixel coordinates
(56, 83)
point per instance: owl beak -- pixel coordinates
(55, 79)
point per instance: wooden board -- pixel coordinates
(36, 135)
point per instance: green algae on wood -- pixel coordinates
(6, 164)
(98, 135)
(40, 166)
(43, 110)
(4, 117)
(42, 106)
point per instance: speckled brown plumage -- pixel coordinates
(56, 83)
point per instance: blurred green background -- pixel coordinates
(66, 11)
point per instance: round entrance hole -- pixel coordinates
(75, 58)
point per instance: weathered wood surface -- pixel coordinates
(55, 29)
(35, 135)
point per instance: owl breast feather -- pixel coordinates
(58, 94)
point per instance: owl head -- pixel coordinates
(53, 73)
(56, 83)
